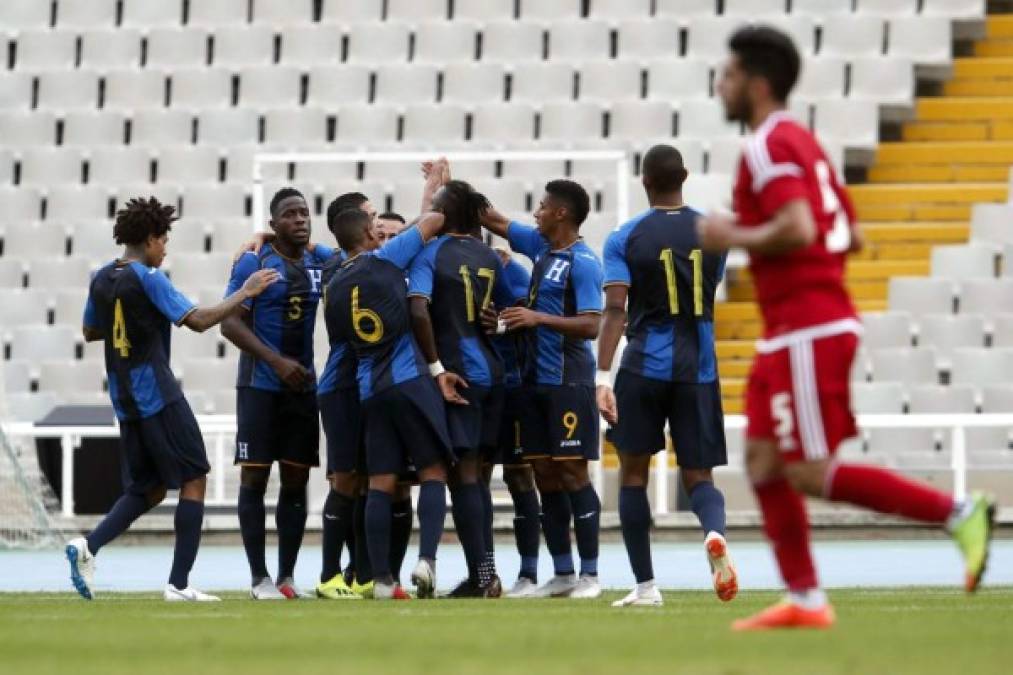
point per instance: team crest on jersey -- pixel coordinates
(316, 278)
(557, 270)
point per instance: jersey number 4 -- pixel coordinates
(120, 340)
(668, 260)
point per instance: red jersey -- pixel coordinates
(781, 162)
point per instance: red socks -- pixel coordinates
(887, 492)
(787, 526)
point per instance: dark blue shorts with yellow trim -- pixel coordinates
(559, 422)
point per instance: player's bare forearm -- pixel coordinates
(202, 318)
(91, 334)
(422, 327)
(237, 330)
(612, 326)
(430, 224)
(584, 326)
(495, 222)
(791, 228)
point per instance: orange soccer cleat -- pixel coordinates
(787, 614)
(726, 580)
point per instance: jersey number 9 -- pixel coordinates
(365, 318)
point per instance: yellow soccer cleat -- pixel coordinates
(973, 535)
(363, 590)
(336, 589)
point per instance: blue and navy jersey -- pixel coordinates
(339, 371)
(564, 283)
(513, 291)
(285, 314)
(367, 308)
(672, 281)
(134, 307)
(457, 275)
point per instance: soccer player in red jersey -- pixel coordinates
(797, 222)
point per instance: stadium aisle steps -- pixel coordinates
(955, 152)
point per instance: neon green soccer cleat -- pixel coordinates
(973, 534)
(336, 589)
(363, 590)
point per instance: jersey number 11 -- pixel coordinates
(668, 260)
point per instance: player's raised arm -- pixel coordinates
(202, 318)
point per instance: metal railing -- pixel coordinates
(218, 429)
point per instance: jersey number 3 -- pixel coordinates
(668, 260)
(120, 341)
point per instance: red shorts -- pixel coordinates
(800, 396)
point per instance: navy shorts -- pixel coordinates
(277, 426)
(559, 422)
(405, 427)
(166, 449)
(341, 416)
(693, 412)
(509, 450)
(475, 426)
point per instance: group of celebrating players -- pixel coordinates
(447, 357)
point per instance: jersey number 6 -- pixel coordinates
(360, 317)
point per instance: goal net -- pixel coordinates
(26, 502)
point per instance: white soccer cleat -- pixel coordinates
(522, 588)
(587, 588)
(288, 588)
(266, 590)
(726, 580)
(641, 597)
(424, 579)
(559, 586)
(188, 594)
(82, 567)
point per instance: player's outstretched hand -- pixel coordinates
(449, 383)
(292, 373)
(606, 399)
(258, 281)
(715, 231)
(489, 319)
(517, 318)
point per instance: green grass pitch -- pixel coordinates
(920, 631)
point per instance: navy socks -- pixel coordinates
(377, 521)
(363, 568)
(188, 521)
(526, 531)
(125, 511)
(337, 522)
(400, 534)
(586, 524)
(432, 509)
(251, 526)
(635, 519)
(556, 525)
(290, 518)
(709, 506)
(487, 533)
(466, 502)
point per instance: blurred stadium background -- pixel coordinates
(101, 100)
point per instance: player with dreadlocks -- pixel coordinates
(449, 284)
(130, 306)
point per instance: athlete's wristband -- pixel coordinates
(501, 327)
(603, 378)
(436, 369)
